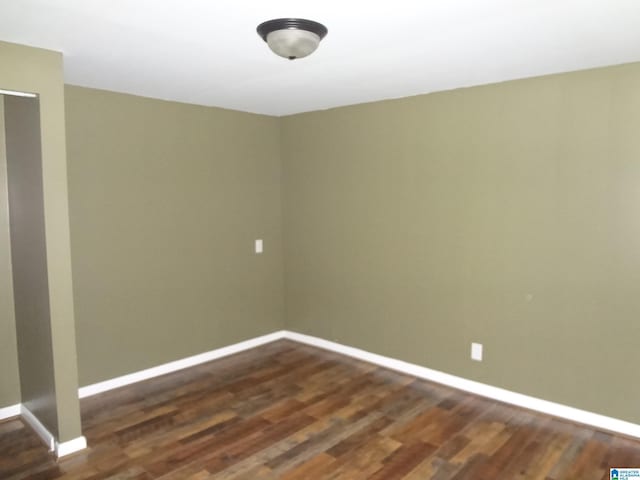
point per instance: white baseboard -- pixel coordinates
(60, 448)
(532, 403)
(117, 382)
(495, 393)
(42, 431)
(70, 446)
(10, 411)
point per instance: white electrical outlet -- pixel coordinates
(259, 245)
(476, 352)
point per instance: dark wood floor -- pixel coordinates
(287, 411)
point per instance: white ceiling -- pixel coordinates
(207, 51)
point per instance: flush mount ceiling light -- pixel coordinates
(292, 37)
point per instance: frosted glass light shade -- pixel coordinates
(292, 37)
(292, 43)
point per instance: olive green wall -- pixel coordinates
(29, 259)
(9, 375)
(40, 71)
(166, 201)
(506, 214)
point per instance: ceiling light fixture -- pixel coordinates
(292, 37)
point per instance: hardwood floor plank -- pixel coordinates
(312, 468)
(403, 460)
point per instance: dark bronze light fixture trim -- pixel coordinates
(265, 28)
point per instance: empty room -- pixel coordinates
(319, 240)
